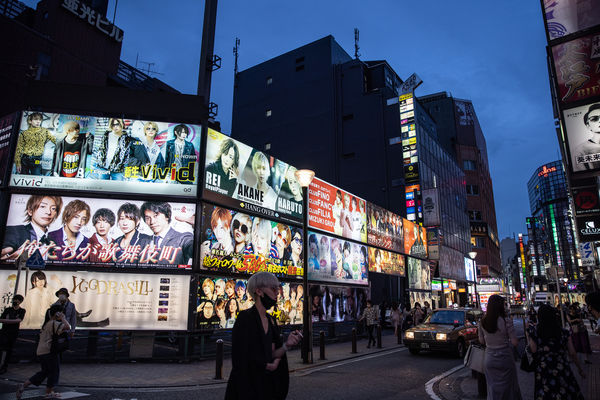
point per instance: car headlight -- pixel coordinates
(409, 335)
(440, 336)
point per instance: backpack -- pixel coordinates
(60, 342)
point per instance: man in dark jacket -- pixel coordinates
(11, 319)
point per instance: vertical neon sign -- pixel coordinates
(523, 264)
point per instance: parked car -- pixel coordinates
(446, 330)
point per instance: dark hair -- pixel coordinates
(495, 309)
(417, 304)
(313, 239)
(18, 297)
(181, 127)
(593, 107)
(369, 302)
(593, 300)
(33, 115)
(549, 323)
(54, 308)
(162, 208)
(104, 214)
(347, 246)
(39, 275)
(130, 211)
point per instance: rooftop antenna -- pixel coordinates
(115, 12)
(148, 69)
(356, 47)
(236, 53)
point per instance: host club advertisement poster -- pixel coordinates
(336, 260)
(583, 134)
(385, 229)
(236, 175)
(105, 301)
(234, 242)
(415, 239)
(79, 152)
(418, 274)
(100, 232)
(336, 211)
(386, 262)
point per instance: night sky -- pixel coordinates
(492, 53)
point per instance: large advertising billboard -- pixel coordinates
(220, 299)
(78, 152)
(384, 228)
(386, 262)
(564, 17)
(337, 260)
(336, 211)
(415, 240)
(239, 243)
(100, 232)
(421, 298)
(470, 273)
(337, 303)
(577, 65)
(583, 134)
(105, 301)
(237, 175)
(7, 124)
(418, 274)
(431, 207)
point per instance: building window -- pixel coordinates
(299, 67)
(479, 242)
(348, 117)
(268, 113)
(473, 190)
(299, 60)
(43, 65)
(474, 215)
(469, 165)
(269, 80)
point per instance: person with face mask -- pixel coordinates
(259, 363)
(68, 309)
(11, 319)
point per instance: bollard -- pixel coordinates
(219, 360)
(399, 336)
(354, 341)
(379, 336)
(322, 345)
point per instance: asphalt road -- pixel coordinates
(383, 375)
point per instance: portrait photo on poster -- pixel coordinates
(239, 243)
(100, 232)
(79, 152)
(384, 228)
(582, 125)
(337, 303)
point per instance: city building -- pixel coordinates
(460, 134)
(350, 122)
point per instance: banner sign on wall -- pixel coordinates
(420, 297)
(418, 274)
(78, 152)
(415, 240)
(431, 207)
(583, 129)
(219, 301)
(588, 228)
(384, 228)
(470, 273)
(116, 301)
(337, 303)
(237, 175)
(386, 262)
(577, 65)
(334, 210)
(336, 260)
(238, 243)
(7, 124)
(586, 200)
(100, 232)
(564, 17)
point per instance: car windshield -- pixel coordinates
(447, 317)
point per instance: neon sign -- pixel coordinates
(545, 171)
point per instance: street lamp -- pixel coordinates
(472, 254)
(304, 178)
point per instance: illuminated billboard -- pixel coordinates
(415, 240)
(418, 274)
(239, 176)
(239, 243)
(7, 124)
(583, 134)
(470, 272)
(100, 232)
(337, 303)
(220, 299)
(78, 152)
(337, 260)
(106, 301)
(334, 210)
(384, 228)
(564, 17)
(386, 262)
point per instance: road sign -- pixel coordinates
(36, 261)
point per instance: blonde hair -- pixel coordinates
(261, 280)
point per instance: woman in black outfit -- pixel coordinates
(260, 369)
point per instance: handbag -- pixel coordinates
(475, 358)
(528, 360)
(60, 342)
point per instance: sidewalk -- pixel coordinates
(153, 375)
(462, 386)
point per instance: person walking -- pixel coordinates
(550, 344)
(418, 316)
(497, 334)
(396, 319)
(370, 315)
(579, 333)
(49, 359)
(68, 309)
(11, 318)
(258, 354)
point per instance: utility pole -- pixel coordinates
(356, 48)
(208, 61)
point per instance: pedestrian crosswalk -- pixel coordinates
(39, 394)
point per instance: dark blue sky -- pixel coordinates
(492, 53)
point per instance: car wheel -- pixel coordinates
(414, 351)
(461, 348)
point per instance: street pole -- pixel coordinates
(562, 315)
(306, 320)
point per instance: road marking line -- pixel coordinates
(433, 381)
(35, 393)
(353, 360)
